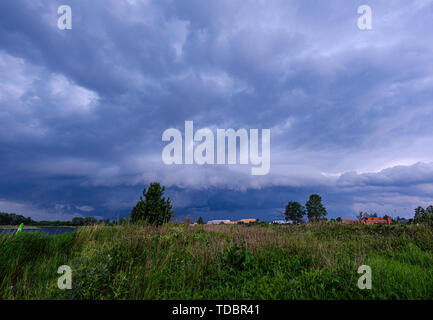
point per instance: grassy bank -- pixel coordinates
(220, 262)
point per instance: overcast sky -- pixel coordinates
(82, 111)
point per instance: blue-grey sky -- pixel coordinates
(82, 111)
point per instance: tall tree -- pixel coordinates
(78, 221)
(315, 208)
(88, 221)
(424, 216)
(294, 212)
(419, 214)
(153, 208)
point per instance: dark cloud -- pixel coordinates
(82, 111)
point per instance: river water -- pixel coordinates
(51, 231)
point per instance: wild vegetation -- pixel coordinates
(180, 261)
(148, 257)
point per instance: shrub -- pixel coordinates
(154, 208)
(238, 257)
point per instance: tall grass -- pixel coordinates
(220, 262)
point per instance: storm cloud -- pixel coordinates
(82, 111)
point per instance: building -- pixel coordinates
(219, 221)
(377, 220)
(403, 221)
(246, 221)
(280, 222)
(370, 220)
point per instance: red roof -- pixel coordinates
(378, 219)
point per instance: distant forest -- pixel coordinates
(16, 219)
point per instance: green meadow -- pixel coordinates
(180, 261)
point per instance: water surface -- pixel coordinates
(51, 231)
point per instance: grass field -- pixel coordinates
(220, 262)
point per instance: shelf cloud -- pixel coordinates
(82, 111)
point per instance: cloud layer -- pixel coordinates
(82, 111)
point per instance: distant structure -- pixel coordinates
(369, 220)
(218, 221)
(377, 220)
(280, 222)
(403, 221)
(246, 221)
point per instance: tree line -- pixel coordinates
(314, 209)
(424, 216)
(16, 219)
(154, 208)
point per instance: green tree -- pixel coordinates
(424, 216)
(419, 214)
(88, 221)
(15, 219)
(315, 208)
(294, 211)
(78, 221)
(153, 208)
(200, 220)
